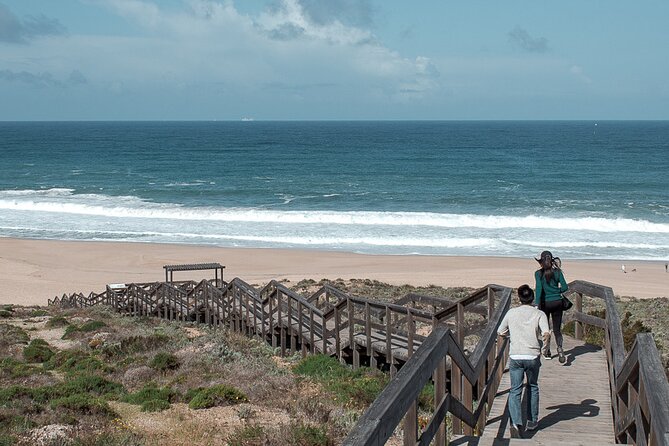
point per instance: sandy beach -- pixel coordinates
(37, 270)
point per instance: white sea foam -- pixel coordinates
(63, 201)
(62, 214)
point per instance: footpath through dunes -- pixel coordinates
(452, 346)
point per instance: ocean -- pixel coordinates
(584, 190)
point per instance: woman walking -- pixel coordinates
(550, 284)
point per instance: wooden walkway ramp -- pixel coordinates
(574, 403)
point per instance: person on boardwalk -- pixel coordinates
(523, 325)
(550, 284)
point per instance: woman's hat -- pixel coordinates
(543, 255)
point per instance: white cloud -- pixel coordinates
(212, 42)
(577, 72)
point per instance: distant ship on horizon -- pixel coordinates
(247, 119)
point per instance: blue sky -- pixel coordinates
(333, 59)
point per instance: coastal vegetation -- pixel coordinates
(93, 377)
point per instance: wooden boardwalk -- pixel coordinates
(574, 403)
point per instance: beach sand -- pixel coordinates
(36, 270)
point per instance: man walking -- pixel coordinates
(523, 325)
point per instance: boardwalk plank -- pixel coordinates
(574, 402)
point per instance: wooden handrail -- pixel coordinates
(639, 387)
(397, 400)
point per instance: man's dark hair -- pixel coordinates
(525, 294)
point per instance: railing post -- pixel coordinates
(389, 350)
(578, 326)
(411, 418)
(456, 373)
(439, 378)
(491, 303)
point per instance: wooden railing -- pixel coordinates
(639, 387)
(479, 375)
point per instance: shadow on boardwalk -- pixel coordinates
(578, 351)
(565, 412)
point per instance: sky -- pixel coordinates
(333, 60)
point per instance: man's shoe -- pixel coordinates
(516, 431)
(532, 425)
(561, 357)
(546, 353)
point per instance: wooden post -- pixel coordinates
(456, 373)
(578, 326)
(337, 329)
(312, 346)
(291, 331)
(491, 303)
(282, 329)
(351, 335)
(368, 331)
(411, 418)
(389, 329)
(271, 322)
(439, 377)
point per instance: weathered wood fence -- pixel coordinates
(639, 388)
(357, 330)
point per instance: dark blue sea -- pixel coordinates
(581, 189)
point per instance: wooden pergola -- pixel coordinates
(169, 270)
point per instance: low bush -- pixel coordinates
(7, 440)
(248, 435)
(57, 322)
(136, 344)
(151, 392)
(82, 403)
(72, 330)
(11, 335)
(357, 388)
(12, 368)
(164, 361)
(218, 395)
(155, 406)
(299, 434)
(37, 351)
(38, 313)
(75, 362)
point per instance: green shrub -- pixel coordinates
(89, 326)
(351, 387)
(155, 406)
(38, 313)
(37, 351)
(247, 435)
(7, 440)
(9, 421)
(136, 344)
(57, 322)
(92, 326)
(164, 361)
(11, 335)
(17, 369)
(75, 362)
(426, 398)
(218, 395)
(302, 434)
(6, 314)
(83, 403)
(151, 392)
